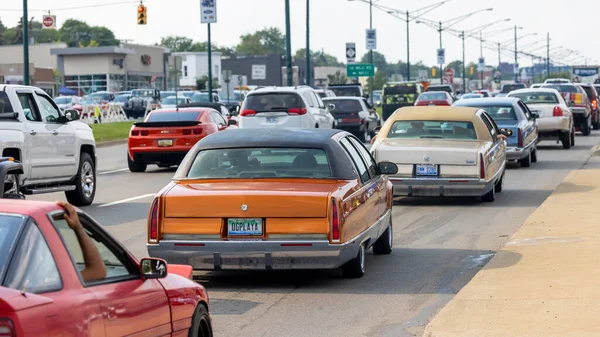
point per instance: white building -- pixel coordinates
(194, 65)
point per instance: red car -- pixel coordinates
(43, 293)
(438, 98)
(166, 135)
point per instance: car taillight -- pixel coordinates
(557, 112)
(594, 104)
(144, 132)
(135, 132)
(197, 131)
(520, 138)
(187, 131)
(153, 221)
(335, 222)
(7, 328)
(481, 167)
(247, 113)
(297, 111)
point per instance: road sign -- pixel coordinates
(350, 52)
(449, 72)
(227, 75)
(441, 56)
(371, 39)
(423, 75)
(49, 22)
(259, 71)
(208, 11)
(447, 80)
(481, 65)
(360, 70)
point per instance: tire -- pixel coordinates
(355, 268)
(534, 158)
(85, 182)
(526, 162)
(364, 135)
(500, 184)
(573, 137)
(596, 124)
(135, 167)
(490, 196)
(201, 323)
(585, 128)
(385, 244)
(567, 138)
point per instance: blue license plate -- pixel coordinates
(427, 170)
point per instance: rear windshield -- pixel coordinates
(557, 81)
(564, 88)
(439, 88)
(484, 93)
(200, 97)
(5, 103)
(401, 89)
(9, 227)
(537, 97)
(171, 100)
(344, 105)
(142, 93)
(590, 91)
(346, 91)
(500, 113)
(121, 98)
(101, 97)
(273, 102)
(432, 96)
(467, 96)
(433, 130)
(260, 163)
(510, 87)
(174, 116)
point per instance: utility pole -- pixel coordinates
(464, 81)
(441, 65)
(25, 44)
(481, 55)
(210, 95)
(532, 69)
(371, 51)
(288, 45)
(516, 60)
(407, 47)
(548, 55)
(308, 72)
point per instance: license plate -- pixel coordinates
(272, 120)
(245, 226)
(165, 142)
(427, 170)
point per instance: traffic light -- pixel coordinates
(472, 70)
(433, 71)
(141, 17)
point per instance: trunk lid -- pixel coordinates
(513, 139)
(441, 152)
(543, 110)
(436, 102)
(12, 301)
(264, 198)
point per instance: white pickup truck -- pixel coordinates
(57, 151)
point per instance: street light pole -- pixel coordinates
(25, 44)
(441, 65)
(516, 70)
(464, 81)
(481, 55)
(308, 72)
(407, 47)
(371, 51)
(288, 45)
(210, 96)
(548, 54)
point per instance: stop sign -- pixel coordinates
(48, 21)
(449, 72)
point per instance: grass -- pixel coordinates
(111, 131)
(379, 111)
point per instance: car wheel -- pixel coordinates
(355, 268)
(85, 183)
(567, 138)
(135, 166)
(201, 324)
(526, 162)
(364, 134)
(585, 128)
(596, 123)
(500, 184)
(384, 245)
(534, 158)
(490, 196)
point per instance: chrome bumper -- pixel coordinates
(517, 153)
(269, 255)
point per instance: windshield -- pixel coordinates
(537, 97)
(99, 97)
(377, 96)
(510, 87)
(173, 101)
(445, 88)
(63, 100)
(400, 89)
(122, 98)
(142, 93)
(564, 88)
(433, 130)
(200, 97)
(500, 113)
(260, 163)
(273, 101)
(432, 96)
(173, 116)
(344, 105)
(346, 91)
(558, 80)
(9, 227)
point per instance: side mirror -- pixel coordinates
(72, 114)
(506, 132)
(152, 268)
(330, 106)
(376, 130)
(232, 122)
(535, 115)
(388, 168)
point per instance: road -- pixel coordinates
(439, 245)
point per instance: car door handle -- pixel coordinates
(55, 132)
(33, 133)
(111, 313)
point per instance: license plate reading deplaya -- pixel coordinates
(165, 142)
(244, 226)
(427, 170)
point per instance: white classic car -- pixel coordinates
(443, 151)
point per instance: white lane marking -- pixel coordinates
(113, 171)
(127, 200)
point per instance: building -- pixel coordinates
(194, 65)
(266, 70)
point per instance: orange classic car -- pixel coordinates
(274, 199)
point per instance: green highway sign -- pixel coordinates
(360, 70)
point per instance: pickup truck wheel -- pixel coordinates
(201, 324)
(526, 162)
(490, 196)
(355, 268)
(85, 183)
(135, 166)
(384, 245)
(567, 138)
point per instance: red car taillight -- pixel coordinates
(196, 131)
(297, 111)
(153, 221)
(520, 138)
(247, 113)
(144, 132)
(135, 132)
(594, 104)
(335, 222)
(481, 167)
(557, 112)
(7, 328)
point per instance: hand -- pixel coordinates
(71, 215)
(503, 137)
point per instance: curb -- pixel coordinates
(596, 150)
(111, 143)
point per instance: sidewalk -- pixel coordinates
(546, 280)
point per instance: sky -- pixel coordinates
(335, 22)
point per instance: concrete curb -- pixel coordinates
(111, 143)
(596, 150)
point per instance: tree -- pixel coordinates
(379, 80)
(77, 33)
(337, 78)
(263, 42)
(456, 65)
(319, 58)
(103, 36)
(177, 43)
(202, 83)
(2, 32)
(378, 60)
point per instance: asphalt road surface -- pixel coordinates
(439, 245)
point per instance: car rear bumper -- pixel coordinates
(157, 156)
(552, 124)
(265, 255)
(445, 187)
(516, 153)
